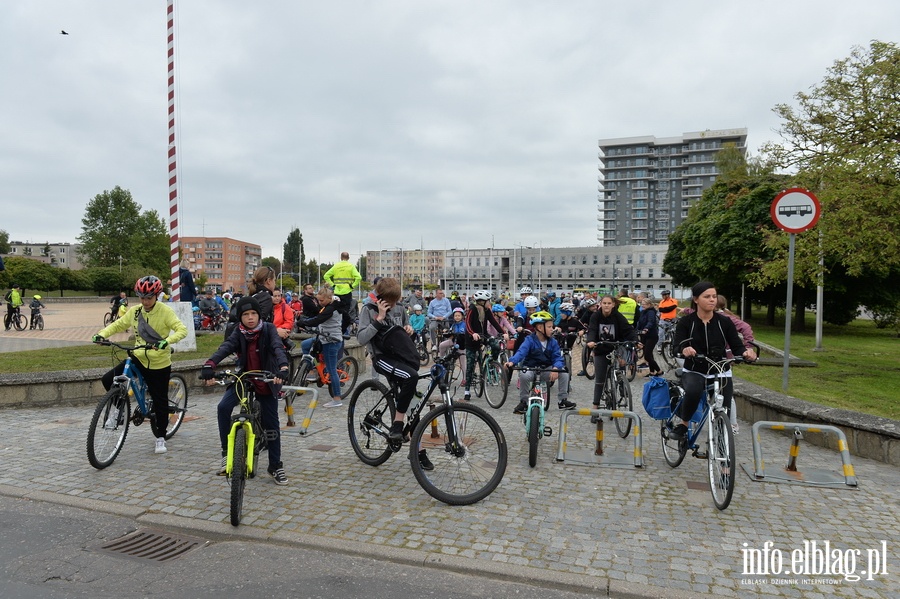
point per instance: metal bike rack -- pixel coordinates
(791, 474)
(289, 407)
(599, 455)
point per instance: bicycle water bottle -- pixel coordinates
(414, 404)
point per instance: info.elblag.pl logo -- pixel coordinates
(814, 559)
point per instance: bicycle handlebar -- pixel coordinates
(537, 368)
(107, 342)
(222, 378)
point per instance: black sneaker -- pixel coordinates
(566, 405)
(678, 433)
(396, 433)
(279, 476)
(424, 461)
(581, 373)
(520, 408)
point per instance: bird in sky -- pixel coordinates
(63, 32)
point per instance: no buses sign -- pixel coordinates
(795, 210)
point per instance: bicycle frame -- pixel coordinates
(133, 381)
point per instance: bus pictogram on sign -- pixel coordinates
(795, 210)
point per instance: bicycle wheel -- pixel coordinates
(348, 370)
(369, 421)
(631, 366)
(478, 383)
(469, 454)
(178, 397)
(673, 450)
(534, 433)
(587, 363)
(625, 404)
(495, 388)
(20, 321)
(107, 318)
(109, 426)
(424, 356)
(721, 460)
(668, 354)
(39, 322)
(238, 474)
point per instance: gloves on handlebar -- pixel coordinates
(98, 339)
(162, 344)
(207, 372)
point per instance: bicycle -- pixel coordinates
(312, 371)
(616, 390)
(112, 416)
(469, 451)
(109, 316)
(422, 348)
(489, 379)
(587, 359)
(720, 452)
(535, 413)
(37, 322)
(666, 347)
(18, 320)
(246, 438)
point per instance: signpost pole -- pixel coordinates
(787, 314)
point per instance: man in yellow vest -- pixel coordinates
(344, 278)
(627, 307)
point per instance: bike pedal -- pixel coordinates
(548, 432)
(701, 455)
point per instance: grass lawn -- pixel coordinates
(858, 370)
(79, 357)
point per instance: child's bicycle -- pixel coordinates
(247, 438)
(37, 321)
(535, 414)
(466, 444)
(112, 416)
(489, 379)
(720, 452)
(311, 371)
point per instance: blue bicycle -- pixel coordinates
(112, 416)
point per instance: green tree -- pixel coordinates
(843, 138)
(4, 242)
(105, 279)
(72, 280)
(114, 228)
(31, 274)
(273, 263)
(294, 255)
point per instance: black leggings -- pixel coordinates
(694, 384)
(649, 345)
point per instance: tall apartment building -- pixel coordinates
(648, 184)
(228, 263)
(415, 267)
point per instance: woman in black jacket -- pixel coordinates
(706, 332)
(648, 329)
(606, 324)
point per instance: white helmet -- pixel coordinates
(481, 294)
(589, 302)
(532, 302)
(417, 307)
(567, 307)
(525, 289)
(579, 296)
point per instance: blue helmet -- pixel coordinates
(497, 308)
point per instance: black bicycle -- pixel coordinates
(467, 446)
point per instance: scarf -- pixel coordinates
(250, 334)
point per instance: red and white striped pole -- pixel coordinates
(173, 186)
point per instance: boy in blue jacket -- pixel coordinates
(541, 350)
(258, 347)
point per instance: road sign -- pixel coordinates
(795, 210)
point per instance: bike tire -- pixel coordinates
(469, 464)
(178, 398)
(496, 388)
(668, 354)
(20, 321)
(721, 460)
(369, 418)
(107, 319)
(238, 474)
(348, 371)
(534, 433)
(587, 364)
(479, 378)
(103, 443)
(624, 403)
(631, 367)
(40, 323)
(673, 450)
(424, 355)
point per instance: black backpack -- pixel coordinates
(394, 342)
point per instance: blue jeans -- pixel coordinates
(331, 351)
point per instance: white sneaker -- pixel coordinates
(113, 420)
(735, 428)
(160, 446)
(334, 403)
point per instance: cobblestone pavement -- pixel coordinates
(618, 530)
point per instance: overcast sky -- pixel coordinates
(378, 124)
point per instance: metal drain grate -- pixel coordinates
(153, 545)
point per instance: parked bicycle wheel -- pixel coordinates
(623, 403)
(109, 426)
(369, 419)
(238, 475)
(496, 387)
(721, 460)
(178, 395)
(469, 454)
(348, 371)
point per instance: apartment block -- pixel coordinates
(62, 255)
(227, 263)
(647, 184)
